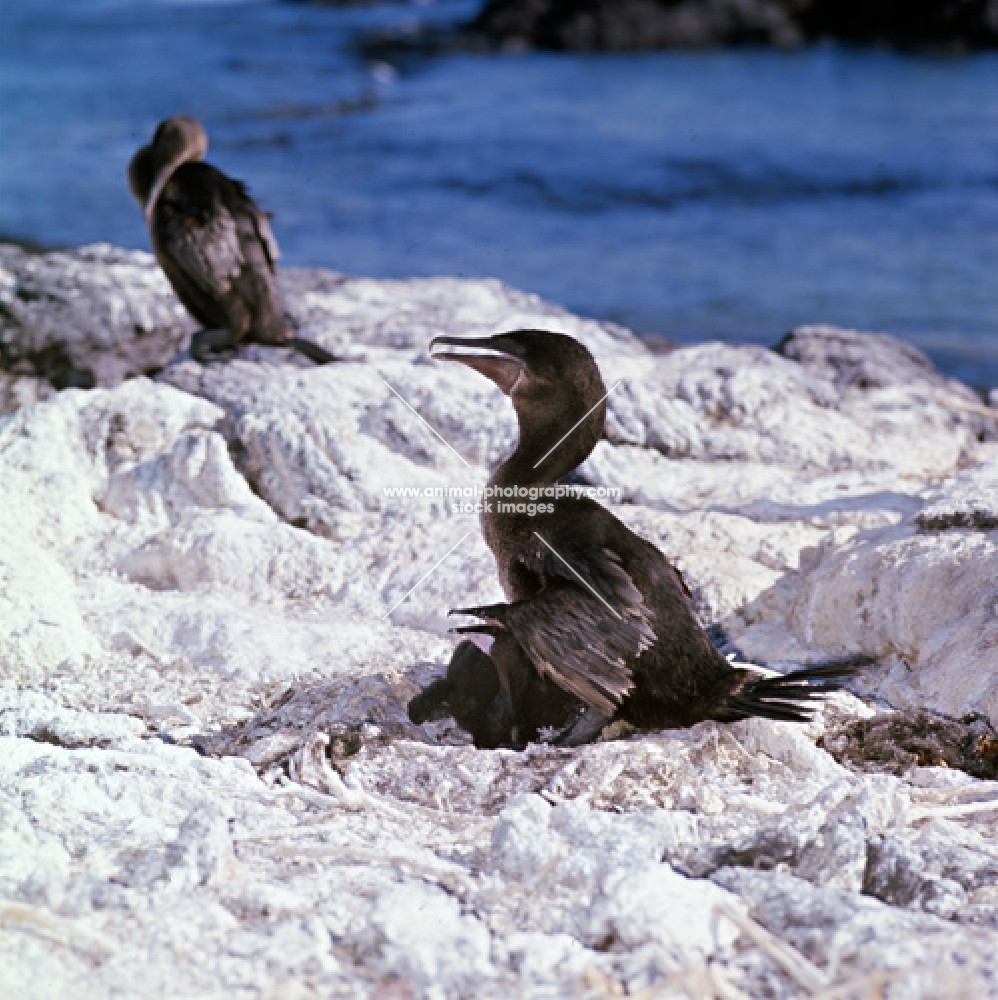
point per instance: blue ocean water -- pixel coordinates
(729, 194)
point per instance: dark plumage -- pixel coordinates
(499, 698)
(213, 243)
(592, 607)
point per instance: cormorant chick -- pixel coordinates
(591, 606)
(214, 244)
(472, 694)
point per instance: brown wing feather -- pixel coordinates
(255, 222)
(261, 225)
(586, 623)
(572, 637)
(582, 565)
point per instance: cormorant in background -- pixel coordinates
(214, 244)
(592, 606)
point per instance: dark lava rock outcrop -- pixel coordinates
(622, 25)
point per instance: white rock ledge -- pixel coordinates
(210, 556)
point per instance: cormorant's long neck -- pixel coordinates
(545, 453)
(166, 170)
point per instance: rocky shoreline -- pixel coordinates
(214, 610)
(640, 25)
(628, 25)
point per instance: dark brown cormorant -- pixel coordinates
(592, 607)
(214, 244)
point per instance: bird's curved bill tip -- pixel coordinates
(482, 354)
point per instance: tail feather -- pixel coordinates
(788, 697)
(737, 708)
(312, 351)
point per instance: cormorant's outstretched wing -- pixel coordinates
(584, 627)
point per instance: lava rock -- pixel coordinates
(623, 25)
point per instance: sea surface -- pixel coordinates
(728, 194)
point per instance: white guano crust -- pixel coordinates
(214, 549)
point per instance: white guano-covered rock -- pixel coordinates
(215, 603)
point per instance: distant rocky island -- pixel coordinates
(627, 25)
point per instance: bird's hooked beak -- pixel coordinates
(494, 357)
